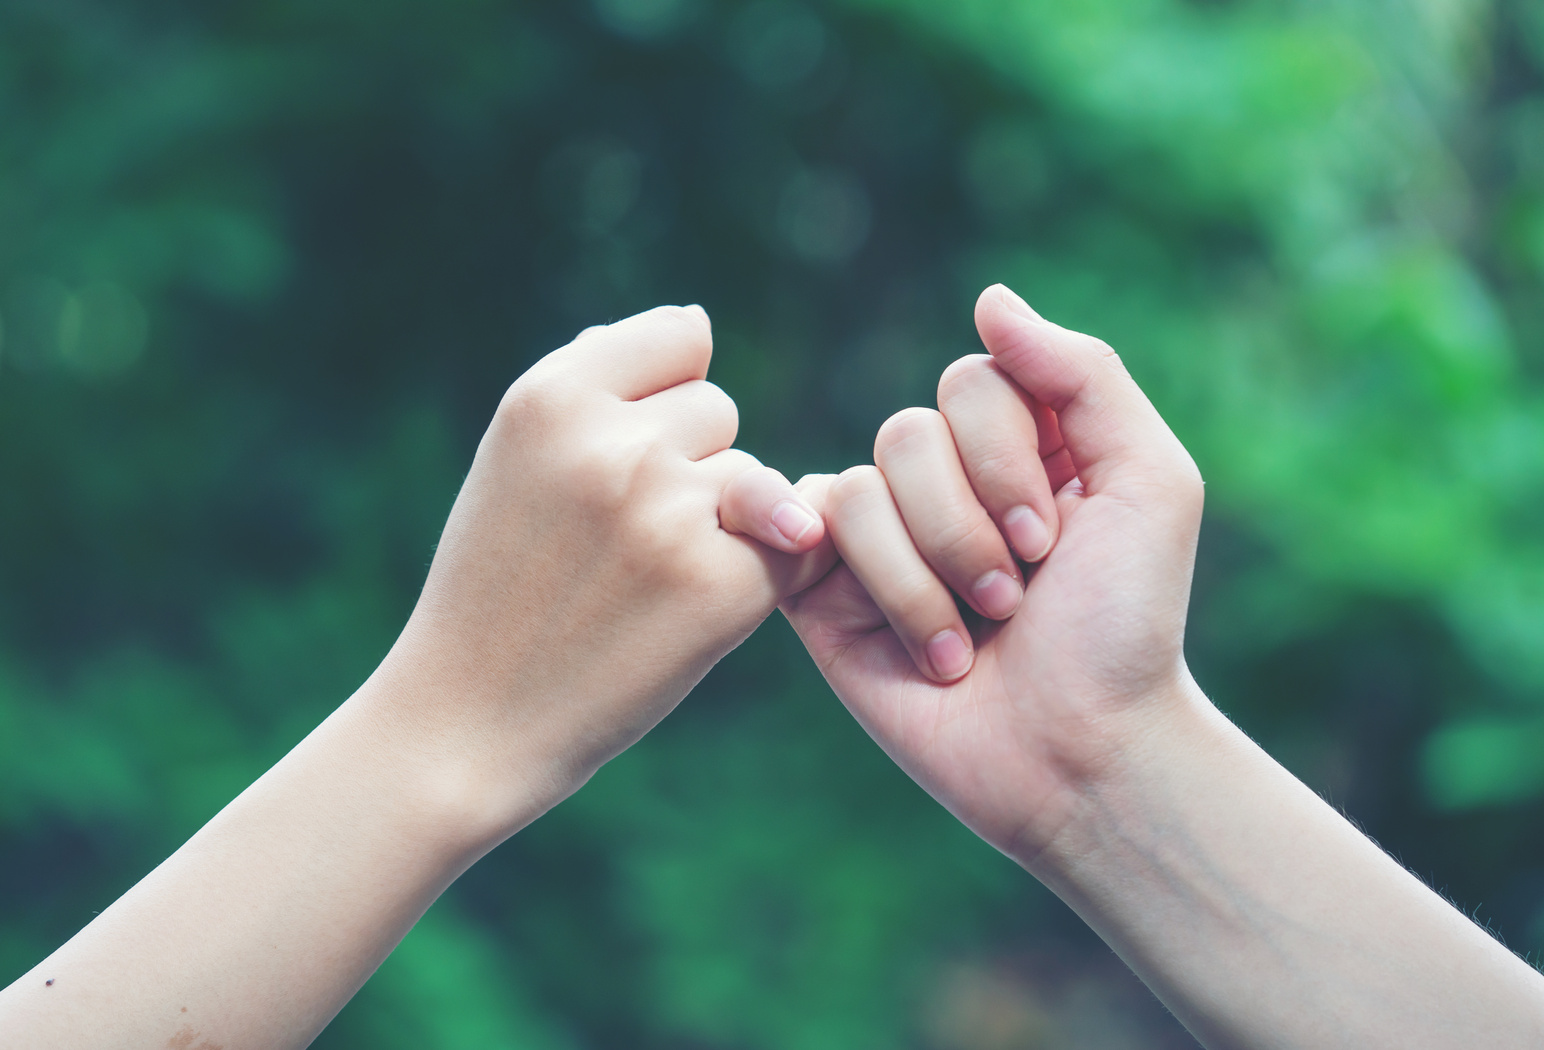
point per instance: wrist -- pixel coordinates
(1144, 745)
(458, 776)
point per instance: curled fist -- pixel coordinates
(607, 548)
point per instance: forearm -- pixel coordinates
(1262, 917)
(259, 929)
(598, 560)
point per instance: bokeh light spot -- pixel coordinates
(646, 19)
(824, 214)
(776, 45)
(102, 330)
(96, 331)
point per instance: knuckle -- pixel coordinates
(685, 323)
(966, 540)
(721, 406)
(851, 489)
(745, 466)
(1102, 351)
(1002, 470)
(906, 426)
(537, 400)
(963, 374)
(1092, 345)
(1172, 486)
(1189, 482)
(1001, 467)
(917, 601)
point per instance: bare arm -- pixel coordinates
(260, 927)
(595, 565)
(1078, 743)
(1262, 917)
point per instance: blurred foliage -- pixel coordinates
(266, 266)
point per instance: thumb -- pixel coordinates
(1115, 436)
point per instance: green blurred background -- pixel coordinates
(267, 265)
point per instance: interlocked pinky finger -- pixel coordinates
(761, 503)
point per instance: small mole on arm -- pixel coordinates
(184, 1009)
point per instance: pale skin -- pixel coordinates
(1078, 742)
(606, 523)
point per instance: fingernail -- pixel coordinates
(997, 594)
(792, 520)
(1018, 305)
(1028, 533)
(949, 655)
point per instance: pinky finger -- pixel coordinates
(759, 502)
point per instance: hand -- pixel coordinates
(1058, 682)
(598, 561)
(592, 569)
